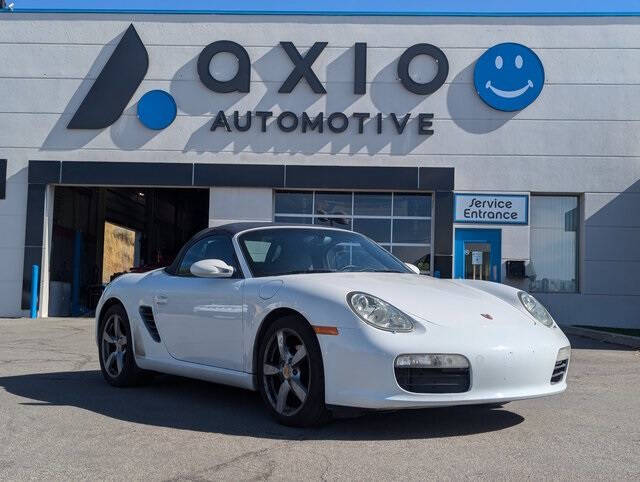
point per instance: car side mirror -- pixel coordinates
(413, 268)
(211, 268)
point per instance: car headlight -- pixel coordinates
(379, 313)
(536, 309)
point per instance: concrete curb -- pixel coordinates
(615, 338)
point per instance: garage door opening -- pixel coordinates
(99, 233)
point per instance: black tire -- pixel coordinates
(128, 374)
(310, 375)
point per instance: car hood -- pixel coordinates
(442, 302)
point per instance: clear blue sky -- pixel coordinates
(497, 7)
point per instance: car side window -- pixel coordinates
(212, 247)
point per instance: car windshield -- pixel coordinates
(282, 251)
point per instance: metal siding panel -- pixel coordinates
(44, 172)
(127, 173)
(443, 264)
(35, 215)
(436, 178)
(481, 32)
(443, 243)
(3, 178)
(238, 175)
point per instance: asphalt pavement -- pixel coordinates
(60, 421)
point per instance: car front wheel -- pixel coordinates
(290, 373)
(117, 362)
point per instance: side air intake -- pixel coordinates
(146, 313)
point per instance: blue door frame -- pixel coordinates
(490, 236)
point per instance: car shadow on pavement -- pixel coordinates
(206, 407)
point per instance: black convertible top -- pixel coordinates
(230, 229)
(235, 228)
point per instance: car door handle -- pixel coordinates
(161, 299)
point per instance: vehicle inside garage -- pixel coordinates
(100, 232)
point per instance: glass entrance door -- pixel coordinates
(477, 261)
(477, 254)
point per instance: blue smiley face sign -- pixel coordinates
(508, 76)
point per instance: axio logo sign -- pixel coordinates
(126, 68)
(115, 85)
(508, 77)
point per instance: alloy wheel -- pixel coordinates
(286, 372)
(114, 345)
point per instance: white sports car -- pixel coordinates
(318, 318)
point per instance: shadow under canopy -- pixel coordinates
(194, 405)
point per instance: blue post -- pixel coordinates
(76, 274)
(35, 273)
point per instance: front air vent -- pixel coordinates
(559, 370)
(146, 313)
(434, 380)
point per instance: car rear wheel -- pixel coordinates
(291, 374)
(117, 363)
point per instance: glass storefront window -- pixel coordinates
(554, 244)
(400, 222)
(294, 220)
(294, 202)
(415, 254)
(377, 229)
(333, 204)
(344, 223)
(411, 231)
(412, 205)
(372, 204)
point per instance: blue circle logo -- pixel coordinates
(157, 109)
(508, 76)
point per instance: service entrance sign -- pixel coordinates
(491, 208)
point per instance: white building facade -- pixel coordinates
(373, 123)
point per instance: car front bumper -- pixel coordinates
(505, 365)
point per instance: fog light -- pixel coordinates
(564, 353)
(432, 361)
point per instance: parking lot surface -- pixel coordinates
(60, 420)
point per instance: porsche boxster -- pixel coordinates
(318, 318)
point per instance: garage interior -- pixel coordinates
(101, 232)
